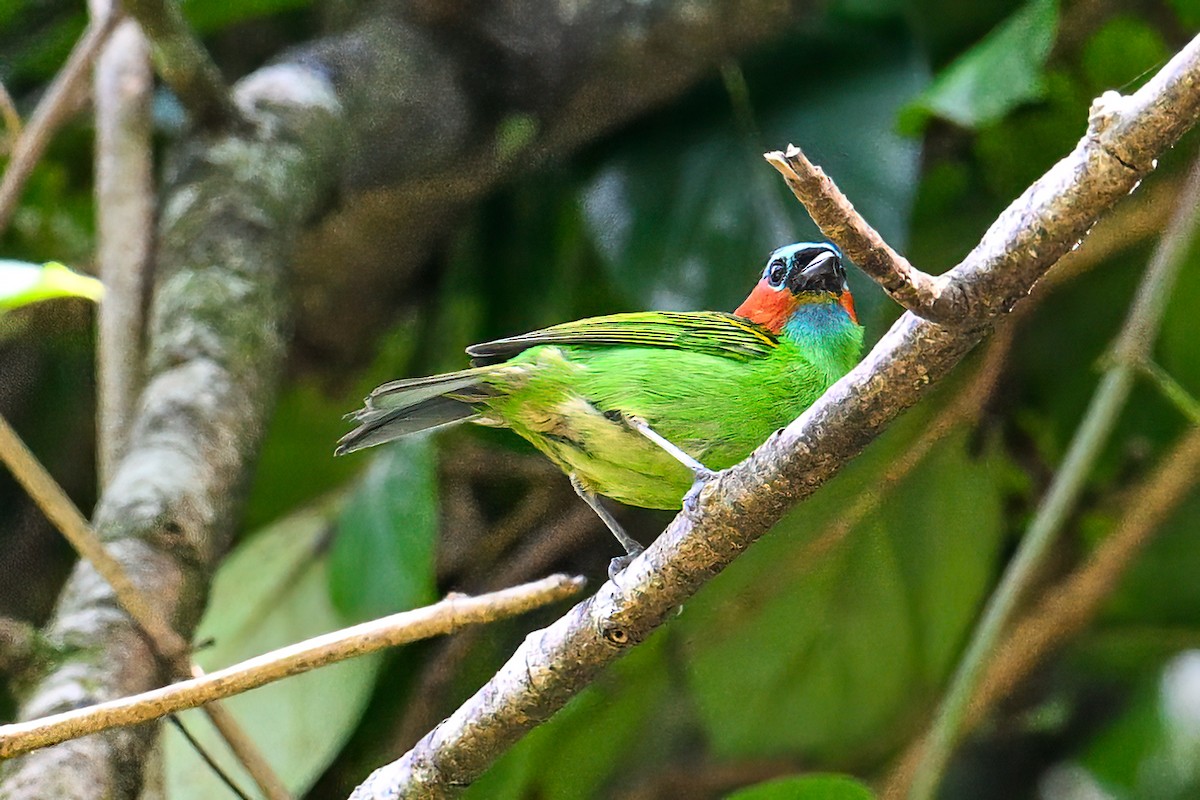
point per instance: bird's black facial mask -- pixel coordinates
(807, 268)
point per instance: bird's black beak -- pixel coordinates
(823, 274)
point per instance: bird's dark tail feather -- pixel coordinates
(407, 406)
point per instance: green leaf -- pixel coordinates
(1004, 70)
(1188, 11)
(808, 787)
(22, 283)
(612, 725)
(273, 591)
(832, 650)
(208, 17)
(382, 559)
(1125, 49)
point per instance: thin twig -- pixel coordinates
(183, 62)
(124, 227)
(1171, 389)
(408, 626)
(1067, 608)
(1132, 345)
(837, 218)
(56, 106)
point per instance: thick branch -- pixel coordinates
(215, 348)
(445, 617)
(552, 665)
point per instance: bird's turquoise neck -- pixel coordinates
(826, 336)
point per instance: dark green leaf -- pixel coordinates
(830, 649)
(808, 787)
(382, 558)
(1000, 73)
(1125, 49)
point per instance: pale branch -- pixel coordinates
(55, 107)
(1068, 607)
(124, 181)
(233, 204)
(738, 507)
(446, 617)
(1132, 344)
(837, 218)
(183, 63)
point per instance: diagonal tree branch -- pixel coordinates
(1124, 137)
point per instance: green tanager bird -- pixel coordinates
(639, 407)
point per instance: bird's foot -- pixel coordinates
(702, 478)
(618, 564)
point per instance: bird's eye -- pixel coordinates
(776, 273)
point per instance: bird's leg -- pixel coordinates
(701, 472)
(633, 548)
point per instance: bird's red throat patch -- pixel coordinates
(772, 308)
(768, 307)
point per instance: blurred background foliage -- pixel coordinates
(826, 646)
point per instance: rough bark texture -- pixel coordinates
(1124, 137)
(217, 340)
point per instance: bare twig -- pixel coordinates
(183, 62)
(742, 503)
(1132, 345)
(124, 227)
(442, 618)
(1066, 609)
(837, 218)
(59, 102)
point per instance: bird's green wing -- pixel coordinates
(711, 332)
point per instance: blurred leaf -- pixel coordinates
(998, 74)
(273, 591)
(1188, 11)
(830, 648)
(208, 17)
(382, 558)
(808, 787)
(682, 216)
(617, 721)
(22, 283)
(1125, 49)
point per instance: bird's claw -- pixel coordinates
(618, 564)
(702, 478)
